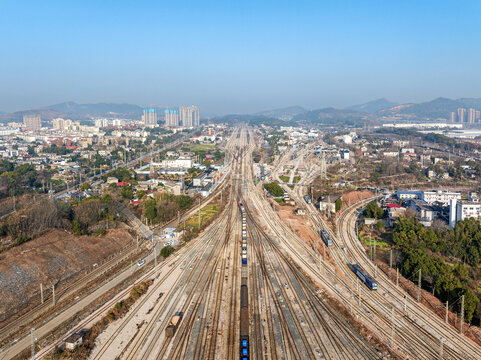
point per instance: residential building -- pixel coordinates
(32, 122)
(189, 116)
(471, 116)
(461, 115)
(460, 210)
(439, 196)
(409, 194)
(149, 117)
(171, 118)
(395, 211)
(425, 213)
(453, 116)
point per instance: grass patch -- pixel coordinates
(279, 201)
(284, 178)
(379, 243)
(202, 147)
(296, 179)
(290, 187)
(205, 214)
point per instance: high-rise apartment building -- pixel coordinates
(149, 117)
(461, 115)
(453, 116)
(189, 116)
(471, 116)
(32, 122)
(171, 118)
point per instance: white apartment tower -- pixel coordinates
(189, 116)
(32, 122)
(171, 118)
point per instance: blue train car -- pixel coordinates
(307, 199)
(326, 238)
(364, 276)
(244, 259)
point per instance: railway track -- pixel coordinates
(420, 342)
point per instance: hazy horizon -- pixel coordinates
(237, 57)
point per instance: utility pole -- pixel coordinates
(53, 294)
(397, 277)
(446, 318)
(32, 338)
(390, 263)
(375, 250)
(41, 292)
(199, 214)
(419, 286)
(405, 302)
(462, 315)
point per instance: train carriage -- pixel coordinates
(326, 238)
(367, 279)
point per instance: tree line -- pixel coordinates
(449, 260)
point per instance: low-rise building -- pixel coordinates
(460, 210)
(73, 341)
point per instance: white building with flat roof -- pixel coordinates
(440, 196)
(460, 210)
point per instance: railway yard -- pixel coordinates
(248, 287)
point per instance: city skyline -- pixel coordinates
(242, 58)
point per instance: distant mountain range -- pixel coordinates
(74, 111)
(434, 109)
(378, 110)
(373, 106)
(286, 113)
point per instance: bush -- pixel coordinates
(274, 189)
(166, 251)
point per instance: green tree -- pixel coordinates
(184, 201)
(166, 251)
(127, 192)
(339, 204)
(373, 210)
(150, 209)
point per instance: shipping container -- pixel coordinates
(244, 296)
(173, 324)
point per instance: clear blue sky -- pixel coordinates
(237, 56)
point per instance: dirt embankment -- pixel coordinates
(54, 258)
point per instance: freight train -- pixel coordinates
(326, 238)
(364, 276)
(244, 300)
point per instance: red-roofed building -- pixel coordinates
(391, 205)
(123, 183)
(395, 211)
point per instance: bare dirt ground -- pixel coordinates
(353, 197)
(54, 258)
(302, 227)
